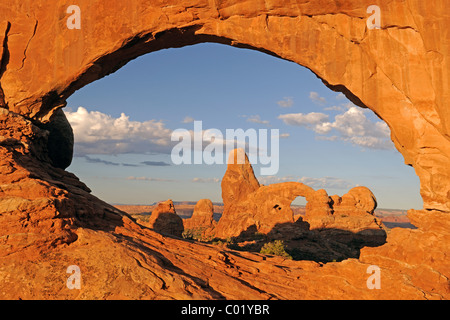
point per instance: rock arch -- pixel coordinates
(43, 61)
(250, 207)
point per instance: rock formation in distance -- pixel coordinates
(250, 207)
(164, 219)
(202, 219)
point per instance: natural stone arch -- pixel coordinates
(400, 71)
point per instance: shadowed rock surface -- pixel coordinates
(202, 219)
(164, 219)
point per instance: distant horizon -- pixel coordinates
(123, 124)
(221, 203)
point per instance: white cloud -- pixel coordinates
(323, 128)
(188, 119)
(316, 98)
(304, 120)
(342, 107)
(334, 108)
(341, 96)
(326, 138)
(354, 122)
(266, 180)
(257, 119)
(99, 133)
(352, 126)
(327, 182)
(206, 180)
(287, 102)
(150, 179)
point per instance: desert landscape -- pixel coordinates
(58, 241)
(390, 217)
(321, 231)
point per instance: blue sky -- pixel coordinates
(123, 122)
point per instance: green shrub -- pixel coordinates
(229, 243)
(276, 248)
(192, 234)
(217, 243)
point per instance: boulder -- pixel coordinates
(359, 201)
(165, 220)
(202, 219)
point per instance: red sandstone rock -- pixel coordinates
(202, 219)
(165, 220)
(358, 201)
(267, 207)
(318, 204)
(249, 207)
(142, 264)
(351, 212)
(239, 180)
(410, 95)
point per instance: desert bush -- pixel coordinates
(197, 234)
(192, 234)
(276, 248)
(229, 242)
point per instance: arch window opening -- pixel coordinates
(123, 125)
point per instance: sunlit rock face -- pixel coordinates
(251, 208)
(202, 219)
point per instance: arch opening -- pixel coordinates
(250, 120)
(282, 103)
(141, 44)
